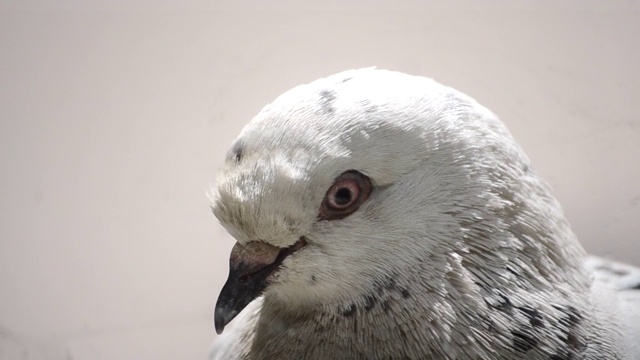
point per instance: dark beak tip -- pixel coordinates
(219, 327)
(220, 320)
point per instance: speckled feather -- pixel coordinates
(461, 252)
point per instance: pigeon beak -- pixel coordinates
(249, 268)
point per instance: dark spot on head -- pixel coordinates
(499, 302)
(523, 340)
(313, 279)
(387, 284)
(390, 284)
(489, 324)
(535, 319)
(327, 98)
(385, 306)
(237, 150)
(572, 317)
(369, 302)
(405, 293)
(346, 79)
(637, 287)
(350, 311)
(570, 328)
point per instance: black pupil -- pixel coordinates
(342, 196)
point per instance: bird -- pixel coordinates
(381, 215)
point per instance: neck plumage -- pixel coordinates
(404, 317)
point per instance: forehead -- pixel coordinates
(264, 198)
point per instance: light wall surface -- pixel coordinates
(114, 119)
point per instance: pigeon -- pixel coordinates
(380, 215)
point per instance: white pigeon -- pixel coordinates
(380, 215)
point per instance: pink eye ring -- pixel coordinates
(345, 196)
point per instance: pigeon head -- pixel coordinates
(366, 176)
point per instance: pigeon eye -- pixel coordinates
(345, 196)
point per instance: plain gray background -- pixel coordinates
(114, 119)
